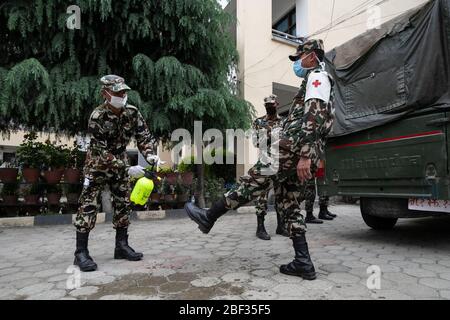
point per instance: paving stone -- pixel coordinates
(334, 268)
(206, 282)
(84, 291)
(291, 290)
(343, 278)
(48, 295)
(259, 295)
(35, 289)
(419, 273)
(435, 283)
(236, 277)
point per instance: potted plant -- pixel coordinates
(30, 155)
(75, 164)
(8, 172)
(169, 196)
(56, 158)
(9, 193)
(181, 192)
(33, 194)
(54, 193)
(73, 193)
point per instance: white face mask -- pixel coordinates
(117, 102)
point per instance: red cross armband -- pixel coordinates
(318, 87)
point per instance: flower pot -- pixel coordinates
(31, 175)
(8, 175)
(169, 198)
(72, 175)
(72, 198)
(172, 178)
(32, 199)
(187, 178)
(182, 198)
(10, 200)
(53, 198)
(53, 176)
(155, 197)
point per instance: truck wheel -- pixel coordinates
(376, 223)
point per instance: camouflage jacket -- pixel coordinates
(263, 123)
(307, 125)
(111, 133)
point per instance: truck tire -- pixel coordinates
(372, 220)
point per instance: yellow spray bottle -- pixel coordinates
(143, 188)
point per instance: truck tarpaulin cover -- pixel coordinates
(386, 73)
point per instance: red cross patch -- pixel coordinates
(316, 83)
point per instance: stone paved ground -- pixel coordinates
(230, 263)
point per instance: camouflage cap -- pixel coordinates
(307, 46)
(114, 83)
(270, 99)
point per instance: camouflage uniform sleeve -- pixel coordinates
(255, 134)
(145, 141)
(99, 142)
(314, 123)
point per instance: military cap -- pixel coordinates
(114, 83)
(270, 99)
(307, 46)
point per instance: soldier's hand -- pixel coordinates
(304, 169)
(136, 172)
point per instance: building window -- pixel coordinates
(287, 24)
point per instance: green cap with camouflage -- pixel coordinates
(271, 99)
(114, 83)
(307, 46)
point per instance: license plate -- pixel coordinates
(429, 205)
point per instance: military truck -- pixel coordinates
(391, 139)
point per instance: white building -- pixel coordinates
(265, 34)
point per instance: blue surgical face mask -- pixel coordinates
(299, 70)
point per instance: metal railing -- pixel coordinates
(287, 37)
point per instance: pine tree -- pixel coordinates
(175, 54)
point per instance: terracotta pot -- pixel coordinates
(172, 178)
(169, 198)
(182, 198)
(155, 197)
(32, 199)
(187, 178)
(8, 175)
(31, 175)
(72, 175)
(53, 198)
(10, 200)
(53, 176)
(72, 198)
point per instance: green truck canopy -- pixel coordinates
(387, 73)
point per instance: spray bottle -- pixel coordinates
(143, 188)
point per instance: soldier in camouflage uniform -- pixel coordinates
(111, 127)
(310, 198)
(262, 136)
(309, 121)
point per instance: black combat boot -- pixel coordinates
(302, 265)
(82, 258)
(329, 213)
(281, 229)
(123, 250)
(261, 232)
(311, 219)
(323, 214)
(206, 218)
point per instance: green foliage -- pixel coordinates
(175, 54)
(214, 189)
(34, 189)
(56, 156)
(10, 189)
(76, 157)
(31, 154)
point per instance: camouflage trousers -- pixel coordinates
(310, 197)
(261, 205)
(289, 190)
(95, 181)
